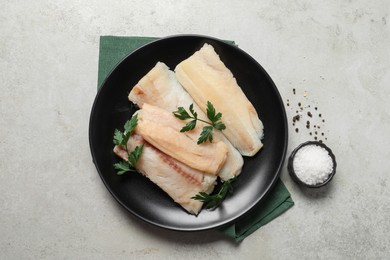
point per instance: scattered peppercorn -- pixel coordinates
(312, 120)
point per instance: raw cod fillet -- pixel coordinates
(160, 88)
(205, 77)
(178, 180)
(161, 129)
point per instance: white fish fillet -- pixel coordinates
(161, 129)
(206, 78)
(178, 180)
(160, 88)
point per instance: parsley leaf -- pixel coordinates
(207, 131)
(118, 137)
(131, 124)
(122, 167)
(189, 126)
(206, 134)
(182, 114)
(121, 139)
(193, 111)
(210, 111)
(135, 154)
(213, 201)
(219, 126)
(129, 166)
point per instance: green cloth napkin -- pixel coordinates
(112, 50)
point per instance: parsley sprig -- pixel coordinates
(121, 139)
(207, 131)
(213, 201)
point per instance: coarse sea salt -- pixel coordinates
(312, 164)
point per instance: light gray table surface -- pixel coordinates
(53, 204)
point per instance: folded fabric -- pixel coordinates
(111, 51)
(277, 201)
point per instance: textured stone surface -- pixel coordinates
(54, 205)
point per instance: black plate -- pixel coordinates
(139, 195)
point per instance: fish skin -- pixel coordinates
(206, 78)
(161, 129)
(159, 87)
(178, 180)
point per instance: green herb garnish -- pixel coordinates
(121, 139)
(207, 131)
(213, 201)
